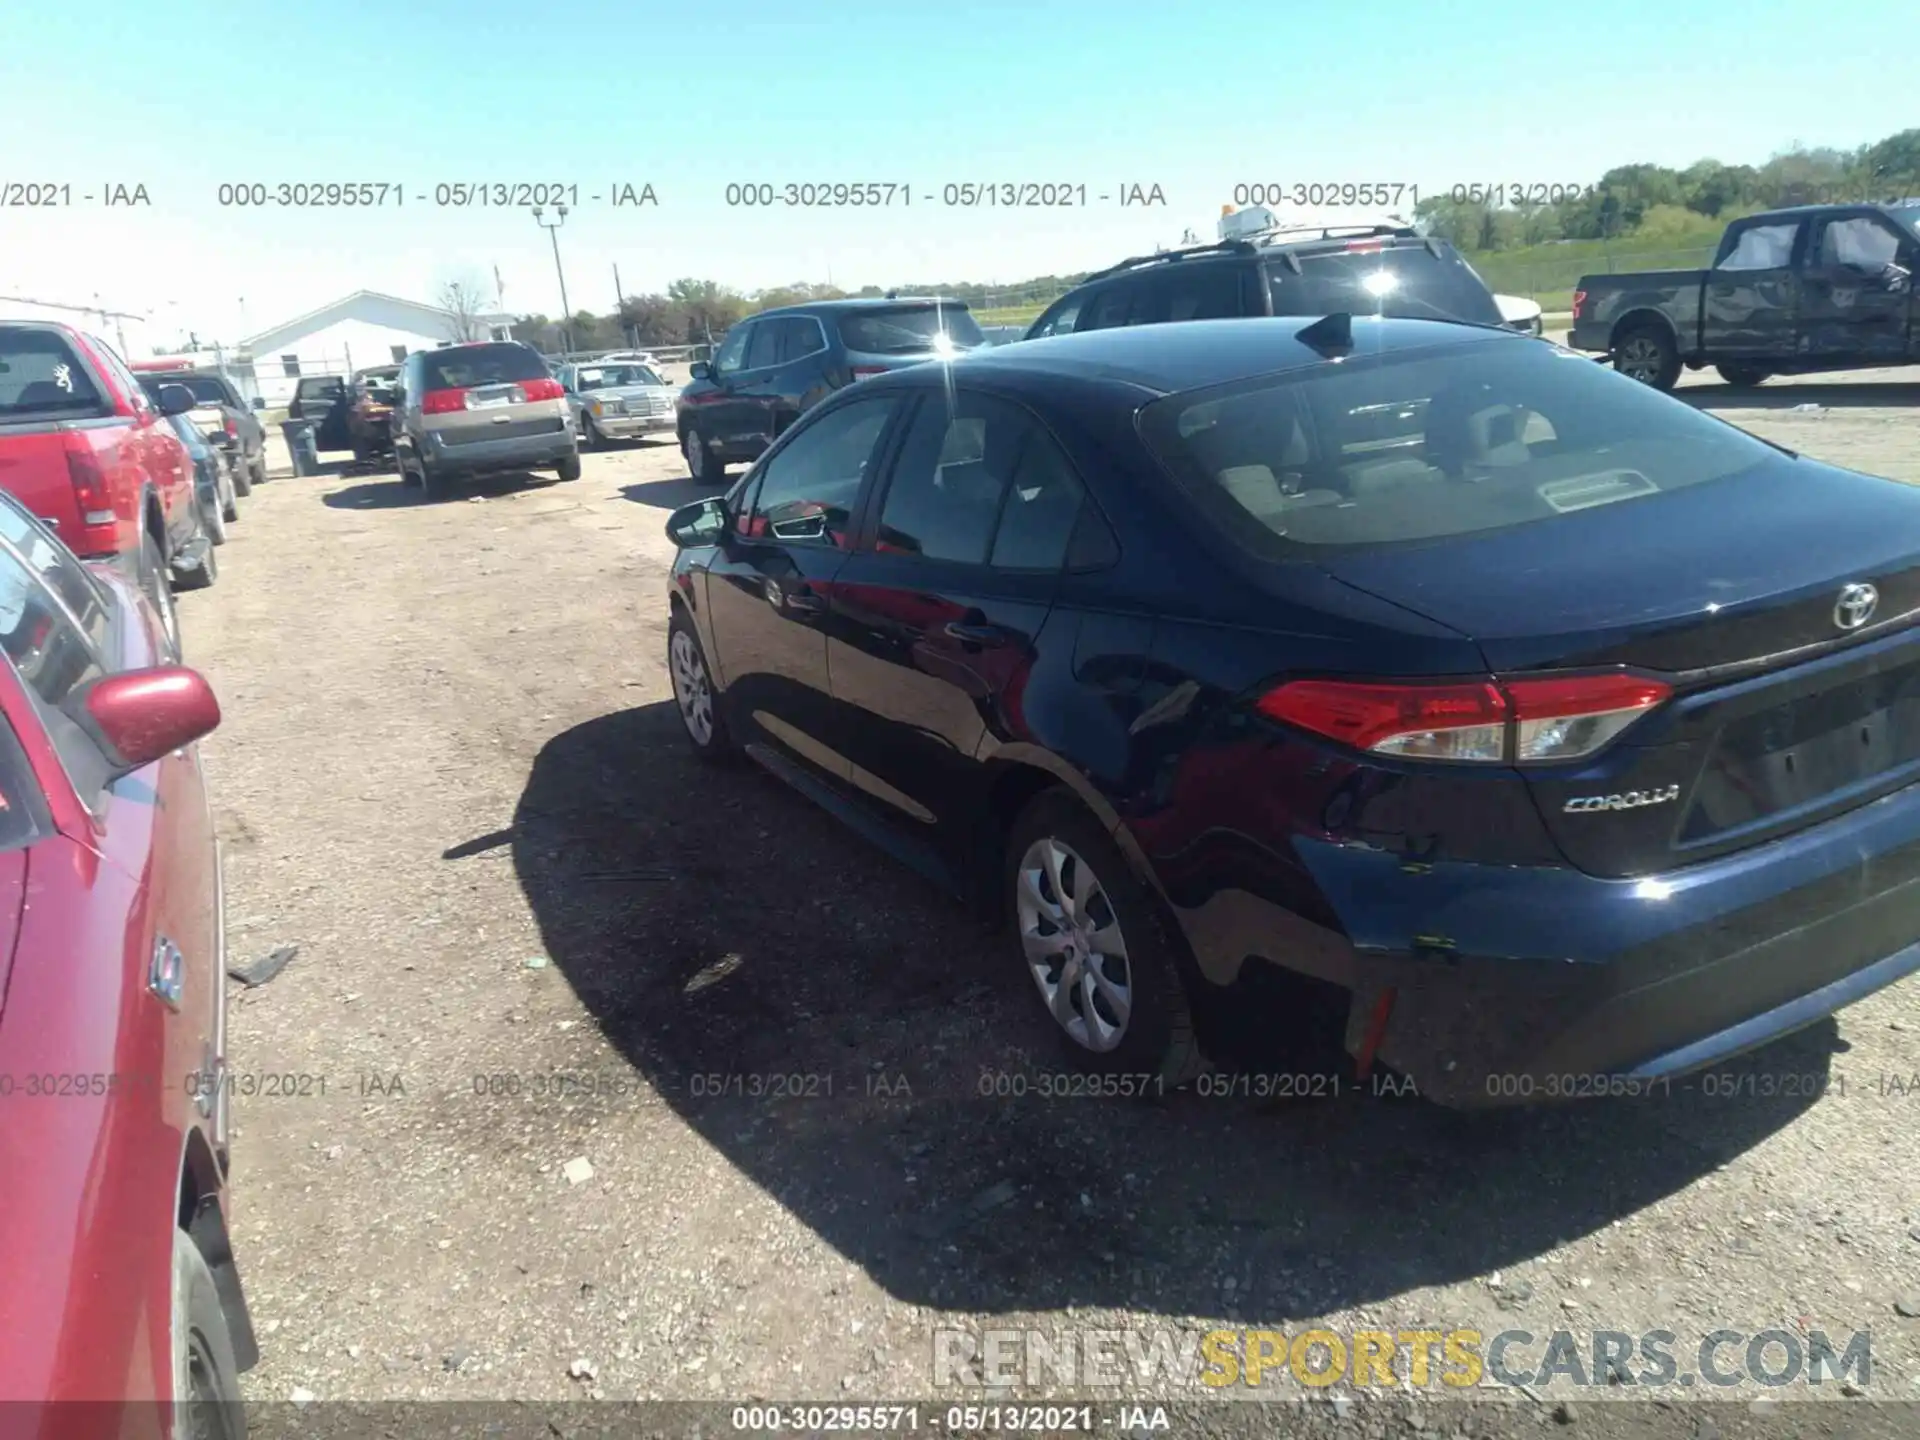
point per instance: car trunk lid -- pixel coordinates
(1785, 710)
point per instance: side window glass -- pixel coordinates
(809, 488)
(1205, 292)
(955, 466)
(733, 350)
(1109, 308)
(1042, 506)
(1152, 301)
(764, 349)
(123, 377)
(57, 566)
(53, 658)
(1859, 243)
(1061, 321)
(1762, 247)
(803, 338)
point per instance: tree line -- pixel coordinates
(1647, 202)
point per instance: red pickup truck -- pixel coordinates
(84, 448)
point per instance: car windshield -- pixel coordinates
(41, 375)
(206, 390)
(465, 366)
(911, 330)
(603, 377)
(1402, 279)
(1416, 445)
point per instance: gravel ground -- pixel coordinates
(478, 1155)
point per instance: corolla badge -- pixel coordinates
(1631, 800)
(1855, 606)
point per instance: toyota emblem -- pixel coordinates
(1855, 606)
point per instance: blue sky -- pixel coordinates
(688, 97)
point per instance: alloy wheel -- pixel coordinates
(1642, 359)
(1074, 945)
(694, 449)
(691, 688)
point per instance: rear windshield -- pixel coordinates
(603, 377)
(465, 366)
(1417, 445)
(911, 330)
(1404, 279)
(206, 389)
(41, 377)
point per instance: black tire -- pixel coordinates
(683, 644)
(243, 476)
(206, 1378)
(434, 486)
(151, 576)
(208, 571)
(1744, 377)
(1158, 1037)
(568, 468)
(1646, 352)
(216, 523)
(590, 436)
(693, 449)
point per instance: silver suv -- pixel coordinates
(475, 409)
(617, 400)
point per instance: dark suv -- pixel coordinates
(1362, 270)
(777, 363)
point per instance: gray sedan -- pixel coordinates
(617, 400)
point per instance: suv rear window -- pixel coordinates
(206, 389)
(462, 367)
(1401, 279)
(910, 329)
(40, 375)
(1416, 445)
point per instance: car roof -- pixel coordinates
(1797, 212)
(1192, 354)
(855, 304)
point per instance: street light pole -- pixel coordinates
(553, 233)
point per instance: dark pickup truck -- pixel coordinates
(222, 416)
(1791, 292)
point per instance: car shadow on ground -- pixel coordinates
(389, 492)
(1870, 395)
(873, 1058)
(669, 494)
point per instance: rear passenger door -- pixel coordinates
(936, 614)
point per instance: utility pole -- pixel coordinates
(553, 233)
(620, 306)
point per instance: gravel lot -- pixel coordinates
(529, 926)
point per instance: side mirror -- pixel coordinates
(175, 400)
(700, 370)
(701, 523)
(137, 716)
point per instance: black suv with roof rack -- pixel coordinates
(774, 365)
(1357, 269)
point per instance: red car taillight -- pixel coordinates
(443, 402)
(861, 372)
(541, 389)
(91, 496)
(1366, 247)
(232, 427)
(1579, 302)
(1496, 722)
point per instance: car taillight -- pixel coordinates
(1579, 302)
(442, 402)
(1525, 721)
(1366, 247)
(862, 372)
(90, 494)
(541, 389)
(232, 426)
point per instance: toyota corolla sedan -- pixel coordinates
(1567, 738)
(118, 1285)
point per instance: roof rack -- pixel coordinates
(1219, 247)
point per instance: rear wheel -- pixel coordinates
(1096, 947)
(208, 570)
(216, 521)
(699, 463)
(243, 476)
(260, 469)
(568, 467)
(433, 484)
(1646, 353)
(230, 493)
(1743, 376)
(206, 1379)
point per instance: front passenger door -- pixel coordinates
(1750, 303)
(769, 584)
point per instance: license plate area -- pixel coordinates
(494, 396)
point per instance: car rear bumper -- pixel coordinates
(1585, 335)
(517, 452)
(1513, 984)
(626, 427)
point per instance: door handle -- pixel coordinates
(978, 633)
(801, 599)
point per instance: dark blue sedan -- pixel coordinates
(1546, 735)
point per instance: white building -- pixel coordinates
(364, 329)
